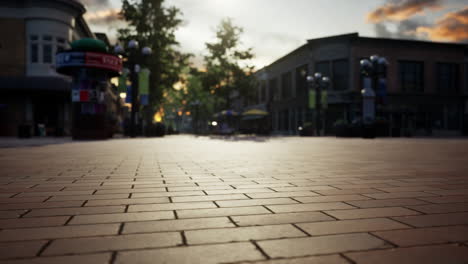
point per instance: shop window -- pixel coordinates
(47, 38)
(34, 49)
(286, 85)
(274, 94)
(411, 76)
(323, 67)
(340, 78)
(34, 53)
(47, 53)
(301, 79)
(447, 77)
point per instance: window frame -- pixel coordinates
(418, 80)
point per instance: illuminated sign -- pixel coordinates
(73, 59)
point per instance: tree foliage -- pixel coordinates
(154, 25)
(226, 65)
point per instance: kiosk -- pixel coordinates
(91, 68)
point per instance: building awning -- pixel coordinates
(254, 114)
(34, 83)
(226, 113)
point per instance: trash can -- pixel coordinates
(41, 128)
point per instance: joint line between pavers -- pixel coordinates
(396, 220)
(260, 249)
(386, 241)
(336, 218)
(264, 206)
(411, 209)
(302, 230)
(184, 238)
(294, 199)
(68, 221)
(43, 248)
(347, 258)
(113, 257)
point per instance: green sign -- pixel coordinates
(122, 83)
(313, 100)
(143, 81)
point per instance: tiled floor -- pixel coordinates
(182, 199)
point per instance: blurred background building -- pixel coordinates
(427, 84)
(32, 94)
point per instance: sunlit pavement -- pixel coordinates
(182, 199)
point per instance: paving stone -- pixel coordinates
(440, 254)
(222, 212)
(399, 195)
(371, 212)
(350, 226)
(297, 247)
(33, 222)
(89, 197)
(58, 232)
(170, 206)
(423, 236)
(247, 191)
(330, 259)
(112, 243)
(11, 214)
(386, 202)
(23, 199)
(286, 218)
(349, 191)
(75, 211)
(167, 194)
(446, 199)
(121, 217)
(251, 202)
(332, 198)
(102, 258)
(435, 219)
(308, 207)
(177, 225)
(221, 197)
(242, 234)
(281, 194)
(152, 200)
(441, 208)
(221, 253)
(40, 205)
(21, 249)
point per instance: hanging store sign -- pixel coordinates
(73, 59)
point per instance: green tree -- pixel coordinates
(153, 24)
(226, 65)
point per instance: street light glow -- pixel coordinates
(133, 44)
(214, 123)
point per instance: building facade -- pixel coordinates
(31, 92)
(427, 84)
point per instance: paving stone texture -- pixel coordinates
(185, 199)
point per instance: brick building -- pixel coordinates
(31, 92)
(427, 84)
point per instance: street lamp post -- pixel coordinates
(374, 71)
(196, 103)
(133, 59)
(318, 82)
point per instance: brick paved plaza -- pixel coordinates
(182, 199)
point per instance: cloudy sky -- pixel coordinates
(275, 27)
